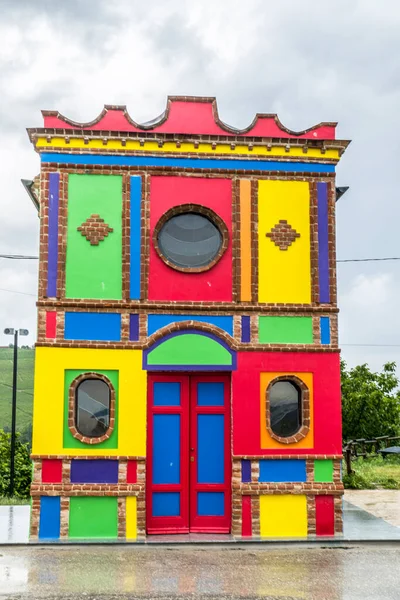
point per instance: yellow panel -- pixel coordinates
(50, 364)
(153, 147)
(266, 440)
(284, 276)
(131, 519)
(283, 516)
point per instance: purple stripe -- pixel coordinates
(133, 328)
(246, 471)
(52, 268)
(323, 247)
(245, 329)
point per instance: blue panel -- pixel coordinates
(136, 198)
(166, 448)
(49, 523)
(246, 471)
(93, 326)
(325, 330)
(155, 322)
(210, 504)
(210, 448)
(282, 470)
(189, 163)
(94, 471)
(167, 394)
(166, 504)
(210, 394)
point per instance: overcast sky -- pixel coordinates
(308, 61)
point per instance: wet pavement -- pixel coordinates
(367, 572)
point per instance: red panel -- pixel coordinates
(51, 471)
(131, 473)
(325, 515)
(246, 517)
(166, 283)
(246, 400)
(51, 322)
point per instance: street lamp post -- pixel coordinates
(14, 332)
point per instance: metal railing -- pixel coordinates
(363, 448)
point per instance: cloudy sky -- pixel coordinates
(308, 61)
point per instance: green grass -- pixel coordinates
(374, 473)
(14, 501)
(24, 387)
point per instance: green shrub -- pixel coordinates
(23, 466)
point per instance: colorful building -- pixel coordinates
(187, 365)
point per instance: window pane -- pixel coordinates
(92, 407)
(285, 408)
(189, 240)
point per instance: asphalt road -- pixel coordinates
(369, 571)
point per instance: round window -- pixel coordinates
(189, 241)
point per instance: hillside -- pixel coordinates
(24, 387)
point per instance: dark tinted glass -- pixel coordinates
(92, 408)
(189, 240)
(285, 408)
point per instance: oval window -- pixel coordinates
(92, 408)
(285, 408)
(189, 240)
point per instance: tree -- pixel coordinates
(370, 402)
(23, 466)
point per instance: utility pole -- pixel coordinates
(14, 332)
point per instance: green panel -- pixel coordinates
(189, 349)
(93, 517)
(94, 271)
(68, 439)
(285, 330)
(323, 471)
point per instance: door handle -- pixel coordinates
(192, 459)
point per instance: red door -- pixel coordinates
(188, 454)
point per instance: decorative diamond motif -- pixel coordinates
(95, 230)
(283, 235)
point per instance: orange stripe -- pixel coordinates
(245, 240)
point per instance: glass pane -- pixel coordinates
(167, 394)
(166, 448)
(210, 394)
(210, 449)
(92, 407)
(284, 399)
(189, 240)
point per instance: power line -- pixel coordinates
(373, 345)
(347, 260)
(17, 292)
(19, 257)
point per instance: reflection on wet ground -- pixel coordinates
(290, 573)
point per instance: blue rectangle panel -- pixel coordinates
(166, 504)
(135, 238)
(49, 522)
(282, 471)
(155, 322)
(325, 330)
(210, 504)
(133, 328)
(167, 394)
(246, 471)
(188, 163)
(100, 327)
(210, 448)
(210, 394)
(166, 448)
(94, 471)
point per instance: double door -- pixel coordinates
(188, 454)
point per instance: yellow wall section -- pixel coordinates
(283, 516)
(131, 518)
(153, 147)
(266, 440)
(284, 276)
(50, 364)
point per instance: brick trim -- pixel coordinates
(196, 209)
(304, 410)
(72, 408)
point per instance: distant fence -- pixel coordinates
(363, 448)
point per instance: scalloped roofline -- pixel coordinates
(196, 115)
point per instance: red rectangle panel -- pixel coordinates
(51, 322)
(51, 471)
(246, 516)
(131, 473)
(325, 515)
(166, 283)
